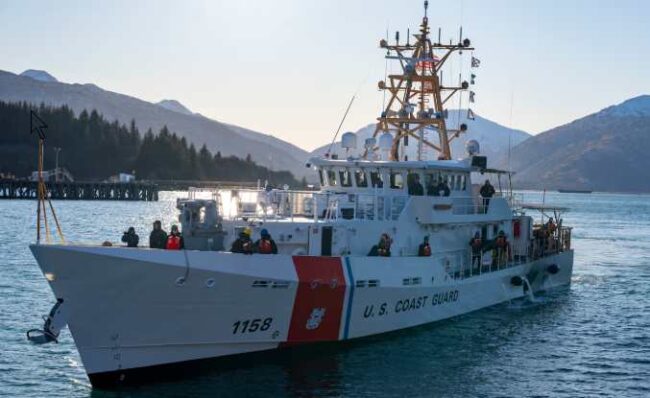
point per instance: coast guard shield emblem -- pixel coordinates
(315, 318)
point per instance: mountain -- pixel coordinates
(492, 137)
(264, 149)
(39, 75)
(604, 151)
(175, 106)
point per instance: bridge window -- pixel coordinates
(456, 185)
(376, 179)
(345, 178)
(396, 180)
(331, 178)
(414, 184)
(360, 177)
(321, 176)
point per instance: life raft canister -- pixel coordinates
(173, 243)
(265, 247)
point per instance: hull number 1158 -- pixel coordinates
(251, 325)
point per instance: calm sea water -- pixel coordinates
(592, 339)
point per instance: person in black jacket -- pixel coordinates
(487, 191)
(243, 244)
(425, 249)
(158, 236)
(131, 238)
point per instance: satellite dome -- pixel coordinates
(472, 147)
(386, 141)
(349, 140)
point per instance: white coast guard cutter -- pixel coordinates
(131, 310)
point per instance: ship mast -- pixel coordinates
(417, 97)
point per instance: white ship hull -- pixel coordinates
(131, 309)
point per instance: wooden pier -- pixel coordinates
(132, 191)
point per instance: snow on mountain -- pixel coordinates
(175, 106)
(230, 140)
(637, 106)
(40, 75)
(604, 151)
(492, 137)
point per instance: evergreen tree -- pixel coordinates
(94, 149)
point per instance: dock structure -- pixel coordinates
(184, 185)
(132, 191)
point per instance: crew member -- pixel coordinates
(476, 243)
(415, 187)
(131, 238)
(175, 240)
(425, 249)
(383, 248)
(442, 189)
(243, 243)
(502, 248)
(265, 245)
(550, 227)
(157, 237)
(487, 191)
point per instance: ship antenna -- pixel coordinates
(329, 150)
(38, 126)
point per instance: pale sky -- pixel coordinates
(289, 67)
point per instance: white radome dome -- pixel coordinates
(349, 140)
(472, 147)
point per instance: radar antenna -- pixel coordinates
(417, 97)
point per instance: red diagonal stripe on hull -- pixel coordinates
(318, 305)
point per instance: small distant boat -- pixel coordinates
(574, 191)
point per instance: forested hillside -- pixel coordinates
(93, 148)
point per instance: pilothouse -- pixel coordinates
(350, 260)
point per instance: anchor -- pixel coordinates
(54, 322)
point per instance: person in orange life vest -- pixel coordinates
(175, 240)
(503, 247)
(265, 245)
(243, 244)
(476, 243)
(425, 249)
(383, 248)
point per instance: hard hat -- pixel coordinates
(247, 231)
(264, 232)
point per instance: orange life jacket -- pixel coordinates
(265, 246)
(173, 242)
(427, 250)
